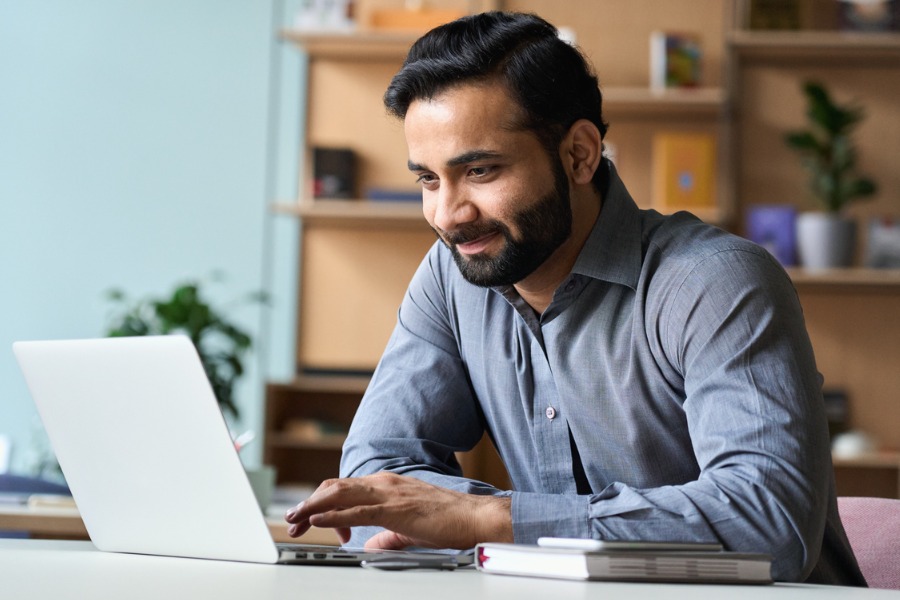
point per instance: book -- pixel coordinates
(774, 227)
(684, 167)
(674, 60)
(672, 566)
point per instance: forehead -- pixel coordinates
(464, 117)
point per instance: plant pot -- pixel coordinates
(825, 240)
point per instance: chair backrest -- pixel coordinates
(873, 528)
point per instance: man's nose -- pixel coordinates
(453, 207)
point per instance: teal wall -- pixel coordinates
(141, 143)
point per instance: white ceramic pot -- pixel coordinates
(825, 240)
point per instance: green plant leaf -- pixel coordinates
(220, 343)
(827, 149)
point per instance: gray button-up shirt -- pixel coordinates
(676, 360)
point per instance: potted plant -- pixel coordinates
(221, 344)
(827, 238)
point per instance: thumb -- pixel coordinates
(389, 540)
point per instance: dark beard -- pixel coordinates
(543, 228)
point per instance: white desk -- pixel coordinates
(53, 569)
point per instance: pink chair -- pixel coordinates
(873, 528)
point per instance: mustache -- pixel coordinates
(469, 233)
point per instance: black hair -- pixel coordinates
(549, 78)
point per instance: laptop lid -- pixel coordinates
(144, 447)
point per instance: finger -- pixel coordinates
(292, 516)
(388, 540)
(343, 534)
(298, 529)
(337, 494)
(351, 516)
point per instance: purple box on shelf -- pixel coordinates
(773, 227)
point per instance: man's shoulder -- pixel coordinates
(680, 246)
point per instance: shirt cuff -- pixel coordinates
(549, 515)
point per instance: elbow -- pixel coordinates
(795, 542)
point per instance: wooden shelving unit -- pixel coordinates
(302, 456)
(816, 45)
(851, 314)
(357, 255)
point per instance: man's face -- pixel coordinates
(490, 191)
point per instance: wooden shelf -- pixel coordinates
(353, 45)
(645, 101)
(875, 474)
(881, 278)
(287, 440)
(349, 211)
(819, 45)
(870, 460)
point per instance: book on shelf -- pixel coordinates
(674, 60)
(684, 171)
(672, 566)
(774, 227)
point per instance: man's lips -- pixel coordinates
(477, 245)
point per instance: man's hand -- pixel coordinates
(414, 513)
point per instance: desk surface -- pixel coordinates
(53, 569)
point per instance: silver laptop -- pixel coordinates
(148, 457)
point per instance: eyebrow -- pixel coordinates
(462, 159)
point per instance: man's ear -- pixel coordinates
(581, 151)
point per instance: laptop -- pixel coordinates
(149, 459)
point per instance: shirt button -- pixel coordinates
(550, 412)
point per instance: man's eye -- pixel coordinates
(479, 171)
(426, 178)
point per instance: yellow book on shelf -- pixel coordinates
(684, 171)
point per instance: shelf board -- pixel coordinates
(354, 211)
(356, 384)
(286, 440)
(646, 101)
(869, 460)
(881, 278)
(834, 45)
(356, 45)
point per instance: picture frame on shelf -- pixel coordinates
(883, 248)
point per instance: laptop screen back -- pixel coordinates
(144, 447)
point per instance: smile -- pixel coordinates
(477, 245)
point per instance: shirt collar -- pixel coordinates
(613, 251)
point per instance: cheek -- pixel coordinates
(429, 206)
(509, 198)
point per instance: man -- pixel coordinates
(642, 376)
